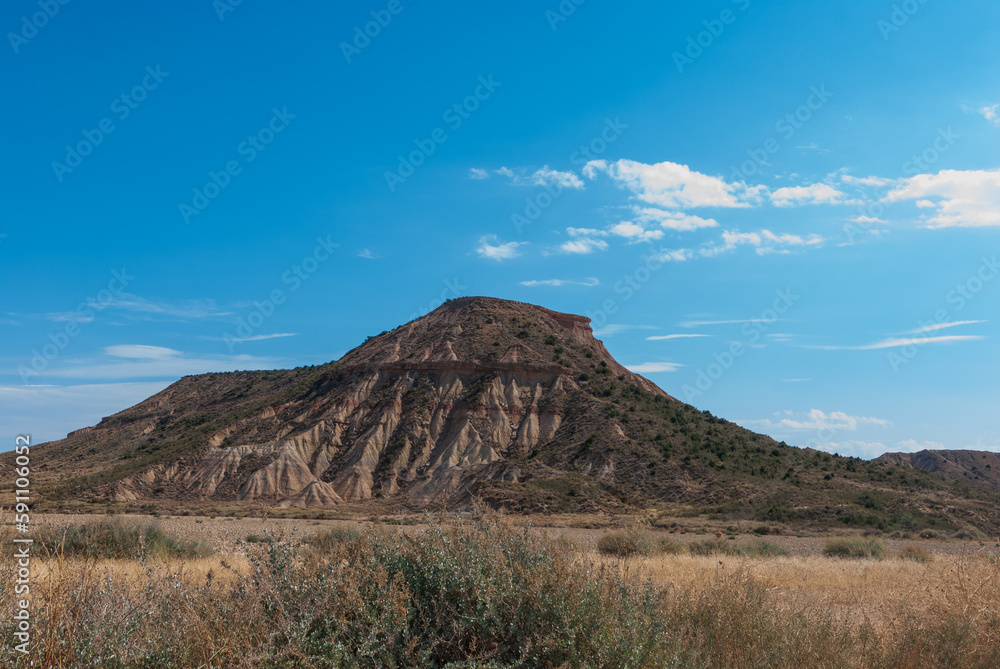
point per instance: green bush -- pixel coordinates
(855, 549)
(118, 539)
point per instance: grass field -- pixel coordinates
(488, 593)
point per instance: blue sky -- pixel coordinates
(785, 213)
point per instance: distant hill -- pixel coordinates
(482, 399)
(980, 467)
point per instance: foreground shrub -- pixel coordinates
(855, 549)
(118, 539)
(485, 595)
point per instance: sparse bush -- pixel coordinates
(968, 534)
(929, 534)
(855, 548)
(626, 544)
(257, 539)
(916, 553)
(118, 539)
(762, 549)
(327, 542)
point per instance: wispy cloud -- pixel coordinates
(616, 328)
(478, 173)
(819, 193)
(940, 326)
(545, 176)
(764, 242)
(555, 283)
(675, 336)
(651, 367)
(896, 342)
(817, 419)
(492, 248)
(674, 186)
(960, 198)
(366, 253)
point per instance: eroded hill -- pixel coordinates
(505, 402)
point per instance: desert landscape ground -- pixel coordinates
(488, 590)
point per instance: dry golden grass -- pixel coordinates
(877, 592)
(248, 608)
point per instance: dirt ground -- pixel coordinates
(226, 534)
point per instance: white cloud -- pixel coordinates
(675, 255)
(820, 193)
(555, 283)
(636, 232)
(941, 326)
(368, 255)
(989, 112)
(835, 420)
(478, 173)
(695, 324)
(649, 367)
(542, 177)
(260, 337)
(167, 365)
(584, 245)
(586, 232)
(29, 409)
(673, 220)
(866, 450)
(142, 308)
(764, 242)
(912, 446)
(865, 181)
(963, 198)
(141, 352)
(615, 328)
(675, 186)
(675, 336)
(490, 247)
(897, 342)
(547, 176)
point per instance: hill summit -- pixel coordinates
(506, 402)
